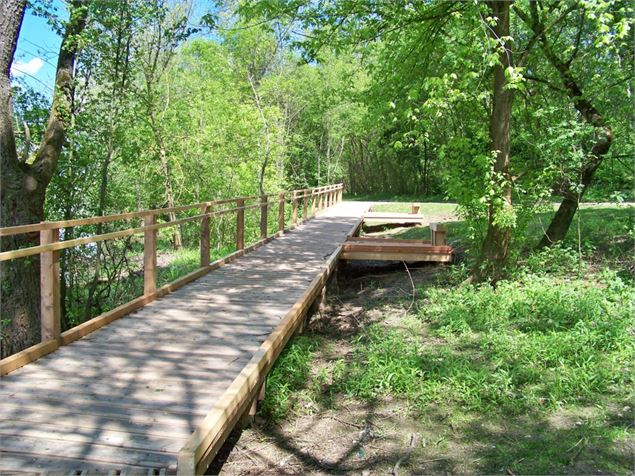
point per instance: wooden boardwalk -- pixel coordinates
(126, 398)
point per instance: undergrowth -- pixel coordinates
(289, 375)
(530, 344)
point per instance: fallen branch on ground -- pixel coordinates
(414, 438)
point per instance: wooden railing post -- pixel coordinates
(295, 208)
(240, 224)
(50, 304)
(149, 256)
(263, 216)
(205, 236)
(341, 193)
(305, 206)
(438, 232)
(281, 219)
(313, 202)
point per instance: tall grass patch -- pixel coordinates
(539, 342)
(288, 376)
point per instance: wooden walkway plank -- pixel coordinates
(128, 395)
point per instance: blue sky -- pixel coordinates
(36, 53)
(38, 46)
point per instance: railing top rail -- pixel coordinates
(48, 225)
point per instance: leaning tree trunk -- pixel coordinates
(23, 186)
(495, 247)
(563, 218)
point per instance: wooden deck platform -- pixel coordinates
(126, 398)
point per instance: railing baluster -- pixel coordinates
(240, 224)
(281, 219)
(50, 304)
(263, 216)
(205, 221)
(149, 256)
(305, 206)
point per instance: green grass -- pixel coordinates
(540, 342)
(289, 375)
(429, 210)
(391, 197)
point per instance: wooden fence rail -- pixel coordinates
(51, 245)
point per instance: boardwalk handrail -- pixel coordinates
(48, 225)
(50, 245)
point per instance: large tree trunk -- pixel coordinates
(23, 186)
(495, 247)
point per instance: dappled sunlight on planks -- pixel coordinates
(131, 393)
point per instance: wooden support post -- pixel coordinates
(438, 232)
(295, 208)
(305, 206)
(263, 217)
(415, 208)
(339, 194)
(313, 196)
(240, 224)
(205, 236)
(50, 288)
(149, 256)
(281, 219)
(247, 418)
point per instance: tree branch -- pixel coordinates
(531, 77)
(52, 142)
(577, 40)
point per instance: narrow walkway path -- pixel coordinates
(128, 395)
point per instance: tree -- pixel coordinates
(23, 184)
(500, 220)
(164, 29)
(540, 20)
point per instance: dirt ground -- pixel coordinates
(385, 436)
